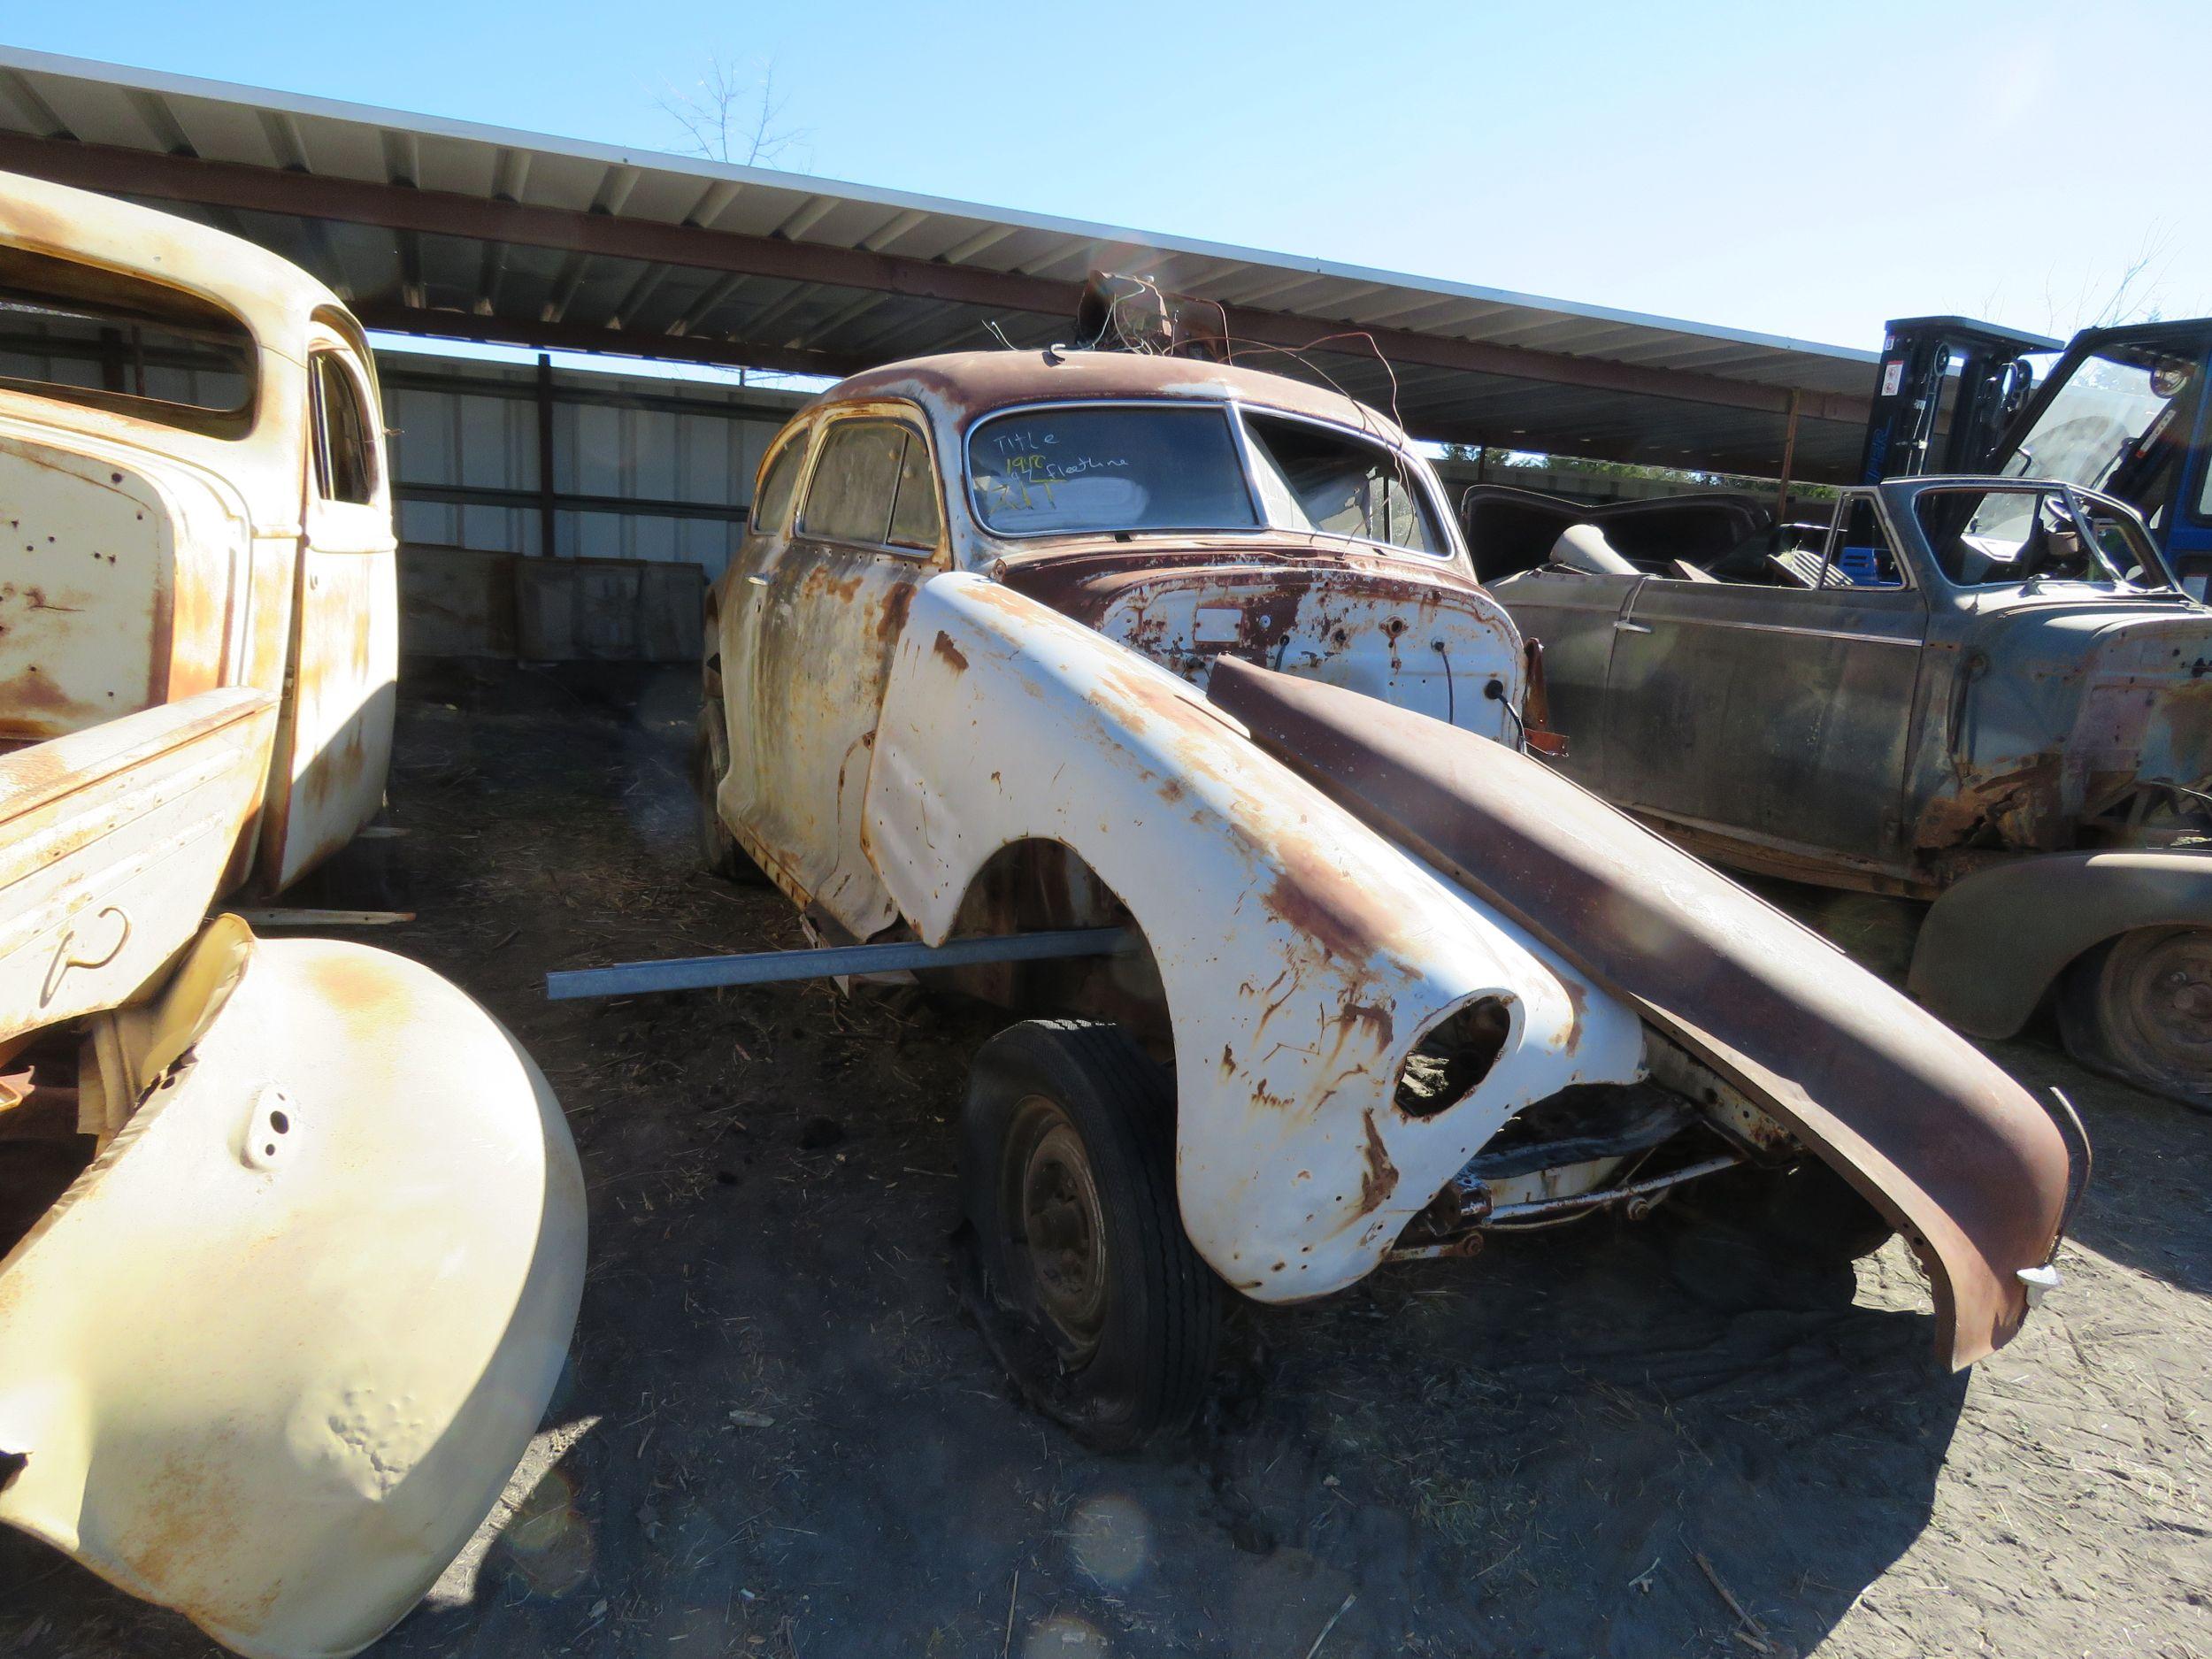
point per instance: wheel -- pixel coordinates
(710, 760)
(2139, 1008)
(1806, 1210)
(1090, 1293)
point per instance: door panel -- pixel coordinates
(1783, 714)
(1573, 613)
(819, 618)
(337, 744)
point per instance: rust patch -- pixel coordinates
(1372, 1017)
(1577, 1010)
(951, 652)
(896, 603)
(1379, 1176)
(1317, 900)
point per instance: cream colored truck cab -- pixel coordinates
(293, 1229)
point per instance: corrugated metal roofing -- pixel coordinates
(442, 227)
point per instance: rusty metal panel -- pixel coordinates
(1994, 942)
(608, 609)
(456, 602)
(1931, 1131)
(113, 843)
(1304, 956)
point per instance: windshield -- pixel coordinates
(1114, 468)
(2004, 538)
(1047, 472)
(2106, 425)
(1315, 478)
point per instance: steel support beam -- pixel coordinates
(540, 335)
(402, 211)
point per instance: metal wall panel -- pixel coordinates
(460, 427)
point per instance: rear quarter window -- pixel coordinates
(80, 334)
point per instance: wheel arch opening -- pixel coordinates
(1037, 884)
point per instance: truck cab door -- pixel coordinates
(828, 603)
(335, 743)
(1780, 715)
(1572, 613)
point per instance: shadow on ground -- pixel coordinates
(781, 1438)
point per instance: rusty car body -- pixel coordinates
(1030, 640)
(293, 1229)
(1984, 693)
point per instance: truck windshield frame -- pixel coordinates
(2109, 407)
(1959, 519)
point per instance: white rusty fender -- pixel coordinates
(272, 1358)
(113, 842)
(1304, 955)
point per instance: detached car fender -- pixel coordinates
(1929, 1130)
(1992, 945)
(271, 1359)
(1304, 956)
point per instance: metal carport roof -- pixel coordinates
(434, 227)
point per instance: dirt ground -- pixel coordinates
(780, 1437)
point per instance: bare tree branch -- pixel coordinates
(2133, 298)
(737, 117)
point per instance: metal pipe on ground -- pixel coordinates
(768, 967)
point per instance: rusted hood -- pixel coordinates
(1949, 1148)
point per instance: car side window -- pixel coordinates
(345, 443)
(1860, 555)
(771, 503)
(915, 520)
(873, 484)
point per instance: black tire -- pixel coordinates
(709, 759)
(1069, 1124)
(2139, 1008)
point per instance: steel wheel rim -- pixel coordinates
(2158, 987)
(1063, 1226)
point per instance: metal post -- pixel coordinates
(545, 456)
(1789, 455)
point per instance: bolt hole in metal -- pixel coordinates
(272, 1126)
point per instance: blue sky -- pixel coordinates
(1798, 170)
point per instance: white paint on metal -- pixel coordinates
(1304, 956)
(277, 1350)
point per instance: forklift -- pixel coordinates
(2120, 410)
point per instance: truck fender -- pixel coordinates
(1992, 944)
(1303, 955)
(271, 1359)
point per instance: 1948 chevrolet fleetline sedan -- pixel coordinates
(1026, 641)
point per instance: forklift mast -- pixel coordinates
(1906, 433)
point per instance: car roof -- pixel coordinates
(963, 386)
(272, 296)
